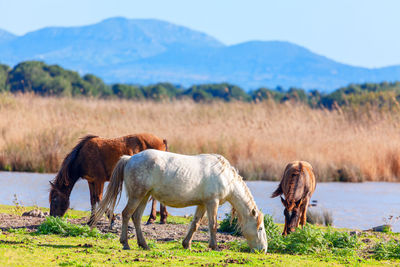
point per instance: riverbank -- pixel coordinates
(25, 245)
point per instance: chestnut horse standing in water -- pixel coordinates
(297, 185)
(93, 159)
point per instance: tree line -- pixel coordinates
(53, 80)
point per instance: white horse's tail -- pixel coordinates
(113, 190)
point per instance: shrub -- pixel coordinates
(308, 240)
(59, 226)
(387, 250)
(341, 239)
(229, 225)
(274, 235)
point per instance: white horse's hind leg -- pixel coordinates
(130, 208)
(137, 218)
(212, 209)
(186, 243)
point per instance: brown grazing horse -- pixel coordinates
(297, 185)
(93, 159)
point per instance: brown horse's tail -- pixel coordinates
(278, 191)
(113, 190)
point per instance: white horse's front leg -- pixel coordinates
(130, 208)
(200, 210)
(212, 209)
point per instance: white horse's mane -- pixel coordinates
(225, 165)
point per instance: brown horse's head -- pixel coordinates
(292, 215)
(59, 202)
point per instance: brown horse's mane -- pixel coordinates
(62, 175)
(293, 183)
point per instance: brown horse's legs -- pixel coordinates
(304, 208)
(153, 212)
(163, 214)
(93, 198)
(137, 219)
(130, 208)
(92, 203)
(285, 228)
(96, 195)
(212, 209)
(186, 243)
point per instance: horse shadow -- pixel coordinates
(65, 246)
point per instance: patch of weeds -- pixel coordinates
(341, 239)
(17, 230)
(18, 206)
(345, 252)
(158, 254)
(387, 250)
(199, 245)
(177, 245)
(391, 219)
(239, 246)
(308, 240)
(59, 226)
(72, 216)
(73, 263)
(230, 225)
(386, 229)
(304, 241)
(152, 244)
(274, 236)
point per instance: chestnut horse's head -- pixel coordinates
(59, 202)
(292, 215)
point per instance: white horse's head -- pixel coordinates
(254, 231)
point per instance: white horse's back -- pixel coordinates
(180, 180)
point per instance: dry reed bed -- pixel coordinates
(259, 139)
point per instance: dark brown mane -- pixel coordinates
(62, 175)
(293, 184)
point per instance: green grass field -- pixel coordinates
(315, 246)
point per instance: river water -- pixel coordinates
(353, 205)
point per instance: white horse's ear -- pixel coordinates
(254, 212)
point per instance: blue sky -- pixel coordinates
(357, 32)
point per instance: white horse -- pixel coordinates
(205, 181)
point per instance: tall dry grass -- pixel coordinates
(259, 139)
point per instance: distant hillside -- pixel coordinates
(145, 51)
(6, 36)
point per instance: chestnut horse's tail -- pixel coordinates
(114, 189)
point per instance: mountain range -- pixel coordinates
(143, 51)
